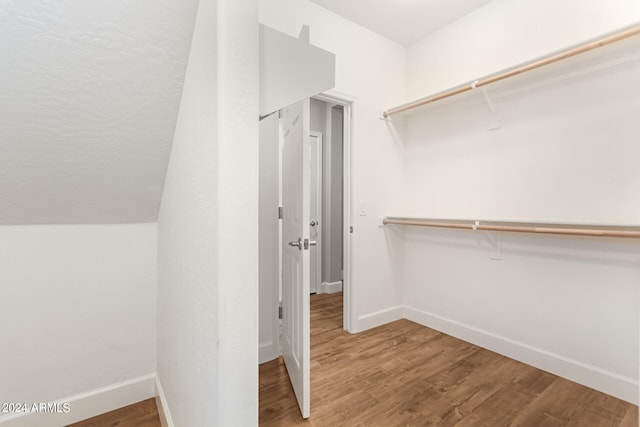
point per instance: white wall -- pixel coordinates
(565, 152)
(78, 308)
(504, 33)
(208, 228)
(372, 69)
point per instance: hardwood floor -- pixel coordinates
(142, 414)
(403, 374)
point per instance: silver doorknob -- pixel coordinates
(296, 244)
(312, 242)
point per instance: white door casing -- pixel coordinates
(295, 250)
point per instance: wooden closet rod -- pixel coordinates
(538, 228)
(515, 71)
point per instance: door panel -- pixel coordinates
(295, 253)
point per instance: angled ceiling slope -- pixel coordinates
(403, 21)
(89, 96)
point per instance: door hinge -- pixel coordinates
(280, 311)
(280, 216)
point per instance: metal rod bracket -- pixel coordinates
(384, 116)
(494, 119)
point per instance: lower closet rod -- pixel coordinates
(591, 231)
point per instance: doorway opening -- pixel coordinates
(331, 113)
(326, 124)
(326, 162)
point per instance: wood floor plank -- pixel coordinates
(403, 374)
(631, 418)
(142, 414)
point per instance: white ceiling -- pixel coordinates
(404, 21)
(89, 94)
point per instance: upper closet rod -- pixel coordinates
(515, 71)
(592, 231)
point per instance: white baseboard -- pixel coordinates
(330, 287)
(379, 318)
(163, 406)
(88, 404)
(608, 382)
(267, 352)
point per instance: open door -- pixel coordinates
(295, 250)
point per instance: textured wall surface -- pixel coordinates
(78, 308)
(89, 94)
(208, 228)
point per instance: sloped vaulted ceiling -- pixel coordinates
(89, 96)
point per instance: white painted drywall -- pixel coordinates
(565, 152)
(90, 93)
(188, 317)
(208, 228)
(78, 308)
(237, 208)
(372, 69)
(505, 33)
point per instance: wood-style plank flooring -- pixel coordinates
(403, 374)
(142, 414)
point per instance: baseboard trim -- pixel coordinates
(267, 352)
(330, 287)
(624, 388)
(88, 404)
(379, 318)
(163, 406)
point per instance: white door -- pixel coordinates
(295, 250)
(315, 212)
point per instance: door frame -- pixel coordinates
(347, 101)
(319, 192)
